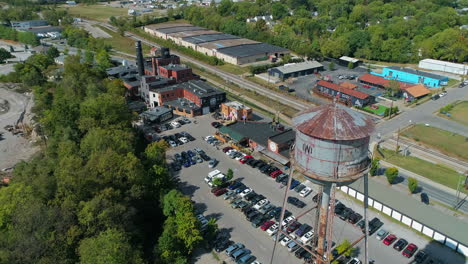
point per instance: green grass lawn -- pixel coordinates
(122, 44)
(459, 113)
(380, 111)
(96, 12)
(234, 69)
(444, 141)
(434, 172)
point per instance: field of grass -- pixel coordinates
(444, 141)
(459, 113)
(234, 69)
(379, 111)
(96, 12)
(121, 43)
(434, 172)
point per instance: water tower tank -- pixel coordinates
(332, 144)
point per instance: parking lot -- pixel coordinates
(303, 84)
(261, 245)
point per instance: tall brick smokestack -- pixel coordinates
(139, 60)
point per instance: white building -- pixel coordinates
(444, 66)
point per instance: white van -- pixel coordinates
(220, 176)
(211, 175)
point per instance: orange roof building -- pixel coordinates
(416, 91)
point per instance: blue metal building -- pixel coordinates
(414, 76)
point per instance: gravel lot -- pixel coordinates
(258, 241)
(14, 148)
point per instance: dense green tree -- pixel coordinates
(4, 54)
(412, 184)
(109, 247)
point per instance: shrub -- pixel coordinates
(374, 167)
(412, 184)
(331, 66)
(391, 174)
(229, 174)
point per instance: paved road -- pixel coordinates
(241, 82)
(255, 239)
(434, 193)
(424, 114)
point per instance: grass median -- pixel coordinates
(435, 172)
(95, 12)
(449, 143)
(459, 113)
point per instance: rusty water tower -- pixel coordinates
(331, 149)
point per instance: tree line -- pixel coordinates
(403, 31)
(96, 192)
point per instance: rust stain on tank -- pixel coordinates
(334, 122)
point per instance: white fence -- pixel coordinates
(426, 230)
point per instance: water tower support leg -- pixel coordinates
(322, 232)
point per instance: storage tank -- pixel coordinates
(332, 144)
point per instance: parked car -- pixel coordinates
(220, 192)
(267, 208)
(296, 202)
(389, 239)
(226, 149)
(354, 218)
(304, 228)
(240, 253)
(216, 124)
(294, 183)
(267, 225)
(245, 192)
(381, 234)
(354, 261)
(400, 244)
(425, 198)
(299, 188)
(246, 259)
(285, 241)
(345, 214)
(271, 230)
(292, 246)
(421, 256)
(306, 191)
(212, 163)
(287, 220)
(410, 250)
(307, 237)
(293, 226)
(257, 221)
(234, 247)
(261, 203)
(222, 245)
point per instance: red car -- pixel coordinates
(267, 225)
(220, 192)
(275, 173)
(226, 149)
(410, 250)
(245, 159)
(389, 239)
(292, 227)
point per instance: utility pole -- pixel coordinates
(366, 230)
(397, 141)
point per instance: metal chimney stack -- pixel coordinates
(139, 60)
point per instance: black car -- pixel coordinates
(205, 157)
(400, 244)
(345, 214)
(250, 217)
(300, 253)
(296, 202)
(259, 220)
(338, 208)
(260, 164)
(374, 225)
(286, 214)
(264, 168)
(258, 198)
(247, 210)
(250, 196)
(281, 177)
(425, 198)
(273, 213)
(222, 245)
(354, 218)
(421, 256)
(250, 161)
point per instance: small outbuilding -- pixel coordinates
(157, 114)
(346, 61)
(295, 70)
(444, 66)
(415, 92)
